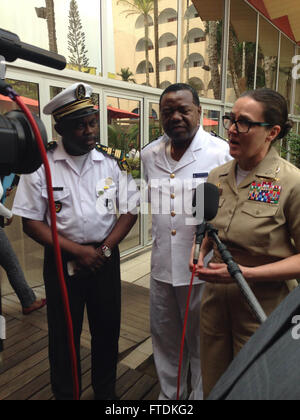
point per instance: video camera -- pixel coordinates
(19, 152)
(18, 148)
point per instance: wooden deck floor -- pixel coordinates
(24, 372)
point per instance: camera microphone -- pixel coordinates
(11, 47)
(206, 205)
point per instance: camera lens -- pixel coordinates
(19, 151)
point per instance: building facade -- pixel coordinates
(130, 50)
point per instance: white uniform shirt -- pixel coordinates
(86, 202)
(173, 226)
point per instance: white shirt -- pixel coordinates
(173, 226)
(172, 163)
(241, 175)
(86, 201)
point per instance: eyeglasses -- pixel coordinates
(242, 126)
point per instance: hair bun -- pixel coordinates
(286, 129)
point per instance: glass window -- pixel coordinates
(201, 42)
(155, 131)
(148, 28)
(296, 74)
(29, 93)
(287, 52)
(297, 99)
(155, 128)
(69, 28)
(241, 50)
(267, 55)
(124, 133)
(211, 120)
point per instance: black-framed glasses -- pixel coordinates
(242, 126)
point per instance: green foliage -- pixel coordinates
(126, 75)
(124, 137)
(138, 6)
(135, 166)
(155, 130)
(291, 147)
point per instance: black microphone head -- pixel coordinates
(206, 202)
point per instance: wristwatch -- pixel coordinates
(106, 251)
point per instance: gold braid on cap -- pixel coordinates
(73, 107)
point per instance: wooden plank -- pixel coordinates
(19, 369)
(25, 371)
(38, 383)
(126, 381)
(21, 357)
(20, 381)
(44, 393)
(140, 389)
(153, 394)
(19, 347)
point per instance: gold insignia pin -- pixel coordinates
(80, 92)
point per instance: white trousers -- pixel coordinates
(167, 311)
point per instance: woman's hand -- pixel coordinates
(216, 273)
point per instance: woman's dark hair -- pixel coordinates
(275, 109)
(181, 86)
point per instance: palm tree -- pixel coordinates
(156, 44)
(126, 75)
(212, 29)
(48, 13)
(144, 7)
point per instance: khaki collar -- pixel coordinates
(268, 170)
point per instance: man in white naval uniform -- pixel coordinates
(86, 185)
(174, 165)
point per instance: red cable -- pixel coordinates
(57, 252)
(184, 332)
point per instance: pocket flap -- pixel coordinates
(58, 195)
(260, 209)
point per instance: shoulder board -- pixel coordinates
(213, 133)
(51, 146)
(117, 154)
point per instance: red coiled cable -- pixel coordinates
(56, 246)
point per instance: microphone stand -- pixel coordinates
(232, 268)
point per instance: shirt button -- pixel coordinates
(174, 232)
(173, 214)
(172, 176)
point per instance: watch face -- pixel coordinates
(106, 252)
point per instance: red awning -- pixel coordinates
(119, 113)
(285, 14)
(27, 101)
(208, 122)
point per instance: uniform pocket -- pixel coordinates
(259, 221)
(260, 209)
(63, 201)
